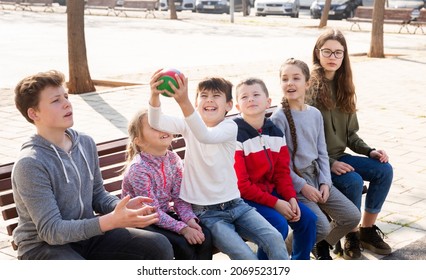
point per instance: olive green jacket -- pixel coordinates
(341, 131)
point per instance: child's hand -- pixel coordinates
(155, 82)
(180, 92)
(154, 100)
(285, 209)
(193, 223)
(311, 193)
(295, 208)
(139, 202)
(192, 235)
(122, 216)
(325, 193)
(340, 167)
(380, 155)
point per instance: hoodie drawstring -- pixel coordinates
(63, 166)
(80, 148)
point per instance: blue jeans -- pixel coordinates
(304, 230)
(379, 175)
(234, 220)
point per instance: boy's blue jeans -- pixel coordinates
(234, 220)
(304, 230)
(379, 175)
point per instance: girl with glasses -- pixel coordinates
(332, 91)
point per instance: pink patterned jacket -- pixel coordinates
(159, 177)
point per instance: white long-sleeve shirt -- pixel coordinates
(209, 175)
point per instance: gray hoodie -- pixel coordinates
(56, 193)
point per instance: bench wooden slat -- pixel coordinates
(113, 186)
(6, 199)
(5, 183)
(9, 213)
(112, 172)
(112, 146)
(5, 171)
(112, 159)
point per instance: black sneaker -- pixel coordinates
(372, 239)
(322, 250)
(338, 249)
(351, 248)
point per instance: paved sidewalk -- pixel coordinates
(391, 99)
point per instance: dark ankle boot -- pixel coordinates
(352, 249)
(323, 250)
(372, 239)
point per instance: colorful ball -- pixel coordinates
(168, 75)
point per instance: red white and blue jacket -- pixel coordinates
(262, 163)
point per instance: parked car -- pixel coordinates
(60, 2)
(305, 3)
(221, 6)
(181, 5)
(416, 5)
(339, 9)
(277, 7)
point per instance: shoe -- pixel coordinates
(352, 249)
(338, 249)
(372, 239)
(322, 251)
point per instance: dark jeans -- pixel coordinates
(182, 249)
(117, 244)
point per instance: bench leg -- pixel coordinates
(357, 24)
(110, 11)
(419, 27)
(49, 9)
(404, 26)
(150, 12)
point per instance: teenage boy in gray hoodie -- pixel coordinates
(58, 188)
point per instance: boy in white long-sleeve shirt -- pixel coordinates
(209, 181)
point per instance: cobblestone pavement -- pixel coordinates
(391, 99)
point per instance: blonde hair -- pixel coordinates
(134, 130)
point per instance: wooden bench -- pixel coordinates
(14, 3)
(108, 5)
(399, 16)
(148, 6)
(420, 21)
(111, 160)
(28, 4)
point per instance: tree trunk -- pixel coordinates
(172, 8)
(79, 75)
(245, 3)
(376, 44)
(324, 14)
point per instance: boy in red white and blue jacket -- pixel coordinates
(262, 167)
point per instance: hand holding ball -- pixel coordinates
(168, 75)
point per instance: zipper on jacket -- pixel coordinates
(262, 142)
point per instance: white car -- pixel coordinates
(181, 5)
(305, 3)
(277, 7)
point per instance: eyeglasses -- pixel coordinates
(328, 53)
